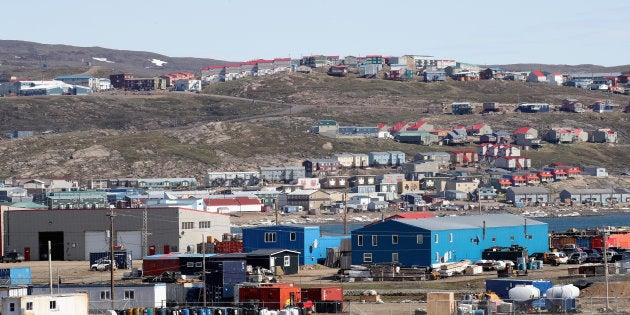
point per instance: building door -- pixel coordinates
(56, 245)
(131, 241)
(95, 242)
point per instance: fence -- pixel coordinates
(585, 305)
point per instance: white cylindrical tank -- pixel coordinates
(567, 291)
(524, 293)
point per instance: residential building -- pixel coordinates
(565, 135)
(513, 162)
(528, 196)
(335, 182)
(316, 167)
(353, 160)
(307, 199)
(603, 136)
(479, 129)
(283, 174)
(463, 157)
(427, 241)
(533, 107)
(603, 106)
(232, 179)
(83, 80)
(434, 75)
(229, 204)
(572, 105)
(595, 196)
(419, 169)
(526, 136)
(593, 171)
(536, 77)
(443, 158)
(461, 108)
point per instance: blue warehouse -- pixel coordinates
(307, 240)
(422, 242)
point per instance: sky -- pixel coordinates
(481, 32)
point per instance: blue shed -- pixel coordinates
(422, 242)
(15, 276)
(307, 240)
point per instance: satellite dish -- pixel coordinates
(315, 243)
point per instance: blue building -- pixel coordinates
(307, 240)
(379, 158)
(422, 242)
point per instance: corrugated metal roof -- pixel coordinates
(469, 222)
(529, 190)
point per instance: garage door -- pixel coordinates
(95, 242)
(132, 242)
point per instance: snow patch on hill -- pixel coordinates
(102, 59)
(158, 62)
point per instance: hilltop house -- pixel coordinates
(603, 136)
(479, 129)
(526, 136)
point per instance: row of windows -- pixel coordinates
(367, 257)
(191, 225)
(129, 295)
(419, 239)
(271, 237)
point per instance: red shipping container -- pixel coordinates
(275, 296)
(155, 266)
(227, 247)
(317, 294)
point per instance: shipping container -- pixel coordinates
(227, 247)
(332, 293)
(225, 272)
(122, 258)
(621, 240)
(155, 265)
(15, 276)
(583, 242)
(271, 295)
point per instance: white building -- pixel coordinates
(188, 85)
(70, 303)
(595, 171)
(125, 296)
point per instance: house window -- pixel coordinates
(437, 257)
(511, 238)
(367, 257)
(292, 236)
(450, 238)
(436, 239)
(394, 239)
(374, 240)
(130, 295)
(105, 295)
(29, 306)
(394, 257)
(494, 239)
(270, 237)
(53, 305)
(199, 264)
(190, 264)
(359, 240)
(204, 224)
(287, 261)
(188, 225)
(12, 307)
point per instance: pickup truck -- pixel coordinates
(13, 257)
(102, 265)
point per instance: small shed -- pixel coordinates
(280, 261)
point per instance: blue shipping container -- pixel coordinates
(14, 276)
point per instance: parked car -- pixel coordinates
(103, 265)
(577, 258)
(13, 257)
(551, 258)
(595, 257)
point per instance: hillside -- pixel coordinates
(27, 59)
(183, 134)
(170, 134)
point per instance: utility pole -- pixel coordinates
(345, 215)
(50, 268)
(112, 261)
(203, 266)
(145, 227)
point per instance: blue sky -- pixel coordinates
(481, 32)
